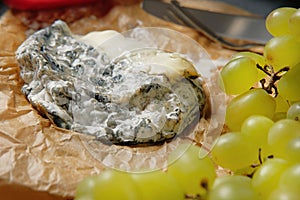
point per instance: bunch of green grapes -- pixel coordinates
(263, 117)
(276, 71)
(112, 184)
(187, 176)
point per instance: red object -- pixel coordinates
(43, 4)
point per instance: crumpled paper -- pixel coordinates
(45, 162)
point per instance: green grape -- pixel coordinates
(112, 184)
(282, 105)
(252, 102)
(258, 59)
(294, 111)
(282, 51)
(284, 194)
(281, 133)
(158, 185)
(239, 75)
(267, 176)
(181, 150)
(290, 178)
(231, 188)
(230, 178)
(190, 171)
(277, 22)
(85, 189)
(256, 129)
(233, 151)
(294, 25)
(292, 153)
(289, 84)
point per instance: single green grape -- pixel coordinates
(292, 153)
(112, 184)
(190, 171)
(256, 129)
(280, 134)
(85, 189)
(294, 111)
(258, 59)
(253, 102)
(290, 178)
(282, 51)
(230, 178)
(267, 176)
(289, 84)
(233, 151)
(231, 188)
(239, 75)
(277, 22)
(158, 185)
(284, 194)
(294, 25)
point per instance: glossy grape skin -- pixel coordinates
(158, 185)
(239, 75)
(256, 129)
(280, 134)
(105, 185)
(85, 189)
(110, 181)
(294, 25)
(231, 188)
(294, 111)
(282, 51)
(112, 184)
(290, 178)
(258, 59)
(289, 184)
(190, 171)
(292, 153)
(252, 102)
(289, 84)
(233, 151)
(284, 194)
(267, 176)
(277, 22)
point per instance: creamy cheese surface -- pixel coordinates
(90, 84)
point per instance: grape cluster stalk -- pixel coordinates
(260, 150)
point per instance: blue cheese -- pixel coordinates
(89, 85)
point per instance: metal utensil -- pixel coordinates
(218, 27)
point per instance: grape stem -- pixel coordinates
(274, 77)
(204, 185)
